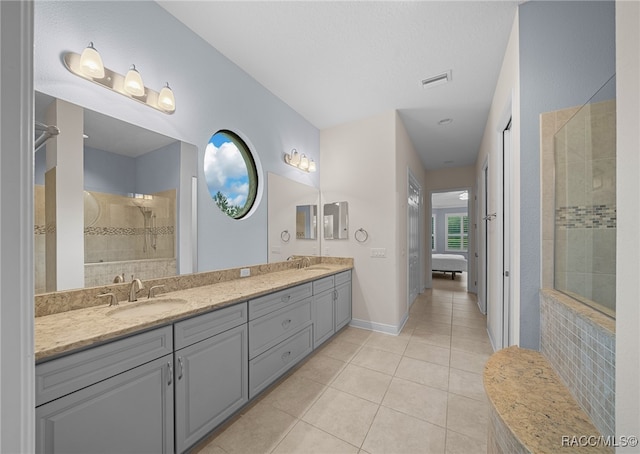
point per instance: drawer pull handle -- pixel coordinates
(181, 368)
(286, 323)
(335, 294)
(170, 374)
(286, 298)
(285, 356)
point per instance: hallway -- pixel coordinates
(366, 392)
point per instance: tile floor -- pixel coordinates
(366, 392)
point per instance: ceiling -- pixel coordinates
(339, 61)
(448, 200)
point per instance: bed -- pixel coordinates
(448, 263)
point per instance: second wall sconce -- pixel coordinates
(300, 161)
(89, 66)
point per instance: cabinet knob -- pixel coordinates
(286, 323)
(285, 356)
(286, 298)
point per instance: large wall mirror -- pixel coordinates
(293, 218)
(112, 200)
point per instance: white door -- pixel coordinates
(506, 235)
(483, 241)
(413, 238)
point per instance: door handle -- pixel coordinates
(170, 374)
(490, 217)
(181, 368)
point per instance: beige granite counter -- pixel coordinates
(531, 401)
(64, 332)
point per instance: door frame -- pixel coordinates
(412, 180)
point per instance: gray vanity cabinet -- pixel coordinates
(87, 408)
(342, 299)
(211, 372)
(323, 310)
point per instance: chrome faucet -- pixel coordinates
(113, 301)
(153, 287)
(136, 284)
(306, 261)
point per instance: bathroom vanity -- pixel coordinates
(160, 382)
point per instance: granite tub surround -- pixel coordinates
(89, 320)
(532, 410)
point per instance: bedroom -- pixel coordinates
(450, 234)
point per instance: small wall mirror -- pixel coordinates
(306, 222)
(336, 221)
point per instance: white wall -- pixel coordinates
(358, 161)
(211, 94)
(628, 194)
(505, 104)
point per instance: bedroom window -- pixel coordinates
(457, 232)
(433, 232)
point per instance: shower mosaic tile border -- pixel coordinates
(586, 217)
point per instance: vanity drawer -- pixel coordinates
(266, 368)
(201, 327)
(343, 277)
(62, 376)
(324, 284)
(274, 301)
(270, 329)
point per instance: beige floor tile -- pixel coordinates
(306, 439)
(472, 346)
(470, 333)
(465, 297)
(467, 416)
(429, 337)
(424, 373)
(433, 327)
(211, 449)
(469, 361)
(395, 432)
(339, 349)
(466, 384)
(259, 430)
(431, 317)
(461, 444)
(387, 342)
(295, 395)
(420, 401)
(361, 382)
(342, 415)
(321, 368)
(354, 335)
(427, 352)
(380, 360)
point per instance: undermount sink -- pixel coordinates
(147, 307)
(317, 268)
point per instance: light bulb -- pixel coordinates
(166, 100)
(295, 158)
(304, 163)
(91, 63)
(312, 166)
(133, 82)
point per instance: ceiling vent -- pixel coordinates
(434, 81)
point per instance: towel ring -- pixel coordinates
(285, 236)
(361, 235)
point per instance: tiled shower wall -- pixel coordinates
(115, 232)
(580, 345)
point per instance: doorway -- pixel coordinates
(414, 229)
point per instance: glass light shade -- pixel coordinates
(295, 158)
(312, 166)
(304, 163)
(91, 63)
(166, 100)
(133, 82)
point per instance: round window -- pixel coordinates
(231, 175)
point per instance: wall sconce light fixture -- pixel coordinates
(300, 161)
(89, 66)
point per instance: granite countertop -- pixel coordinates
(534, 403)
(65, 332)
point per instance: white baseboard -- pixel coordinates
(380, 327)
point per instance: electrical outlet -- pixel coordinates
(378, 253)
(245, 272)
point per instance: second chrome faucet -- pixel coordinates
(136, 284)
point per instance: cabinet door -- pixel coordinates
(323, 318)
(131, 412)
(212, 382)
(343, 305)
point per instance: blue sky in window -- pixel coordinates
(225, 170)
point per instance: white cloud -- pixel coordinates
(221, 164)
